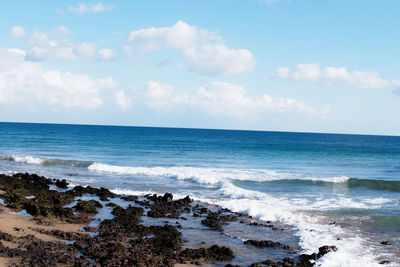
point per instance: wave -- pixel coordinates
(312, 230)
(393, 186)
(216, 176)
(46, 162)
(211, 176)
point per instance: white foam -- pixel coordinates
(312, 231)
(120, 191)
(27, 159)
(211, 176)
(128, 192)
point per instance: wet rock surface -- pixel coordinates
(265, 244)
(124, 239)
(212, 253)
(216, 220)
(87, 206)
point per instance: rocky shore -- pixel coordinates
(87, 226)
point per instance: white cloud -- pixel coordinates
(57, 45)
(222, 99)
(170, 62)
(85, 50)
(396, 82)
(163, 97)
(18, 32)
(29, 82)
(218, 59)
(106, 54)
(9, 58)
(204, 51)
(84, 8)
(333, 76)
(54, 45)
(123, 101)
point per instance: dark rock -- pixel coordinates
(263, 243)
(130, 198)
(87, 206)
(6, 237)
(215, 220)
(62, 183)
(214, 252)
(165, 206)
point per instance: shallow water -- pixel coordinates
(305, 180)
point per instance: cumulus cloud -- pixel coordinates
(57, 45)
(18, 32)
(106, 54)
(204, 51)
(222, 99)
(333, 76)
(122, 100)
(85, 8)
(30, 82)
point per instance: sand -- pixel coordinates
(18, 226)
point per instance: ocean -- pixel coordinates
(334, 189)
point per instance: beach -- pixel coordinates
(264, 195)
(54, 234)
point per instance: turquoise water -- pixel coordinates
(303, 179)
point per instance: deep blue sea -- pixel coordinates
(335, 189)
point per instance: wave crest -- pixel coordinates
(211, 176)
(46, 162)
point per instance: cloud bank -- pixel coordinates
(29, 82)
(221, 99)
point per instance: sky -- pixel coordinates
(278, 65)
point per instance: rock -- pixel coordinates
(263, 243)
(166, 207)
(87, 206)
(62, 183)
(215, 221)
(130, 198)
(214, 252)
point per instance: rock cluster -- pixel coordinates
(122, 240)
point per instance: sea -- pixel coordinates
(333, 189)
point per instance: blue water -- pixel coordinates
(353, 180)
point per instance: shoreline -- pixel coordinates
(87, 226)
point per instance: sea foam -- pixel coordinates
(312, 231)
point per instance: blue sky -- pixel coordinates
(290, 65)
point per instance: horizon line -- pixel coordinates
(196, 128)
